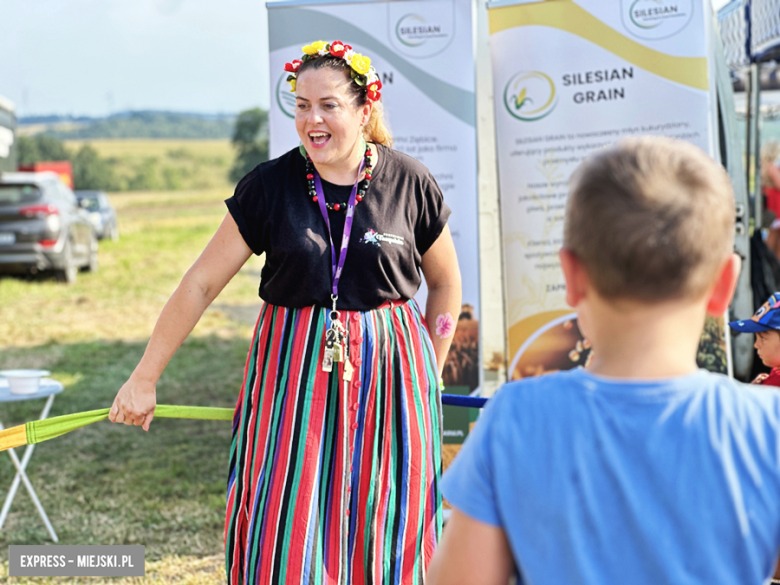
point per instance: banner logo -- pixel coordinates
(421, 29)
(284, 97)
(530, 96)
(413, 30)
(656, 19)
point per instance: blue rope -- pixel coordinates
(466, 401)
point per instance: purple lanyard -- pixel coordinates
(336, 269)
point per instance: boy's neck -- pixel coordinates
(635, 340)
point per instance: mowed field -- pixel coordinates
(208, 150)
(113, 484)
(171, 164)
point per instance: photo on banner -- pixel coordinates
(602, 64)
(423, 52)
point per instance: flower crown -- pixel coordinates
(361, 70)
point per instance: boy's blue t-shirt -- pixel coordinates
(601, 481)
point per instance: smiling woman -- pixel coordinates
(336, 451)
(327, 86)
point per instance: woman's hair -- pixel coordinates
(375, 130)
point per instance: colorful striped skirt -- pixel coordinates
(335, 482)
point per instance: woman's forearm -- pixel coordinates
(440, 268)
(441, 313)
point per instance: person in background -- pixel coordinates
(770, 186)
(336, 453)
(642, 469)
(766, 325)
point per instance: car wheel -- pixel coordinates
(92, 265)
(69, 270)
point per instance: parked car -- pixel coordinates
(101, 213)
(43, 228)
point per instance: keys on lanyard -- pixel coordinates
(336, 346)
(335, 342)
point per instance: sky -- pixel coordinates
(96, 57)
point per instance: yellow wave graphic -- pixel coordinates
(566, 15)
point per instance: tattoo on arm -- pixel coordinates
(445, 325)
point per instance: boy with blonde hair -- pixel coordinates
(642, 469)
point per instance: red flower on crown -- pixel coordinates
(337, 48)
(293, 67)
(372, 92)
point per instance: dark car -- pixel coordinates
(43, 228)
(101, 213)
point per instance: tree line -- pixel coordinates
(94, 172)
(90, 171)
(147, 124)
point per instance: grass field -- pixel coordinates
(112, 484)
(169, 164)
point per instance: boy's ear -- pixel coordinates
(576, 278)
(725, 284)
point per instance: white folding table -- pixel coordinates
(48, 389)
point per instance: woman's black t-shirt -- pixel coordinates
(401, 216)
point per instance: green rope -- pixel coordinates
(43, 430)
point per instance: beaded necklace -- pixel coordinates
(362, 186)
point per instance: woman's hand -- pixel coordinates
(134, 403)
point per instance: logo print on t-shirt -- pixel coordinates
(372, 237)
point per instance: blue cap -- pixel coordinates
(766, 318)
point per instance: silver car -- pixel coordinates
(43, 227)
(102, 214)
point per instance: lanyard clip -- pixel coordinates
(334, 314)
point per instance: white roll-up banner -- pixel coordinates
(571, 76)
(424, 54)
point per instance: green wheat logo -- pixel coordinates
(530, 96)
(284, 97)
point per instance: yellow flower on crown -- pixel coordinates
(292, 84)
(314, 48)
(361, 63)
